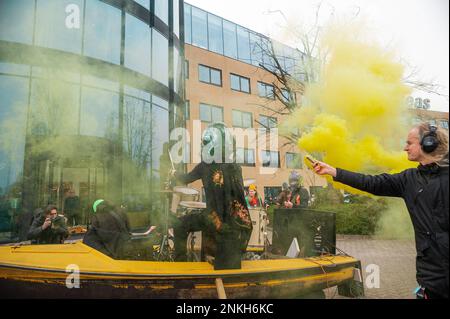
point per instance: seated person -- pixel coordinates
(109, 231)
(48, 227)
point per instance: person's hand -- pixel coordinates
(46, 224)
(321, 168)
(288, 204)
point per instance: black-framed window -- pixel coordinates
(268, 121)
(245, 157)
(211, 113)
(242, 119)
(270, 159)
(239, 83)
(293, 160)
(209, 75)
(266, 90)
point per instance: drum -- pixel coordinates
(180, 194)
(189, 207)
(259, 220)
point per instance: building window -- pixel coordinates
(245, 157)
(271, 194)
(240, 83)
(137, 45)
(160, 58)
(270, 159)
(266, 90)
(187, 110)
(268, 122)
(229, 39)
(187, 24)
(242, 119)
(209, 75)
(293, 160)
(186, 69)
(215, 38)
(199, 28)
(444, 124)
(285, 95)
(211, 113)
(432, 122)
(243, 44)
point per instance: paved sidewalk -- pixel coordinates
(396, 259)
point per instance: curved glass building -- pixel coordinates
(89, 92)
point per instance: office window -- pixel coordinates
(230, 40)
(242, 119)
(162, 10)
(266, 90)
(10, 13)
(160, 58)
(270, 159)
(209, 75)
(186, 69)
(240, 83)
(245, 157)
(187, 24)
(199, 28)
(268, 122)
(137, 45)
(211, 113)
(53, 30)
(256, 49)
(102, 36)
(444, 124)
(215, 34)
(187, 110)
(243, 44)
(432, 122)
(293, 160)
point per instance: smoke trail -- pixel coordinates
(355, 115)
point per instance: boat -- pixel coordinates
(76, 270)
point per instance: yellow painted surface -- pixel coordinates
(58, 257)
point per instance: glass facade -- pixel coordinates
(221, 36)
(91, 112)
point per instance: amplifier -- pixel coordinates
(315, 231)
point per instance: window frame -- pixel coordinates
(300, 166)
(210, 77)
(265, 85)
(241, 113)
(240, 77)
(210, 112)
(270, 152)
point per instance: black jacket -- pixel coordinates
(425, 192)
(55, 234)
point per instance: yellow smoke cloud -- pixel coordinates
(355, 116)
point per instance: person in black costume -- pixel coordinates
(226, 217)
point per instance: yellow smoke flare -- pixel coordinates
(355, 116)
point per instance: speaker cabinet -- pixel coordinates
(314, 230)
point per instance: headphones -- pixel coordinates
(429, 141)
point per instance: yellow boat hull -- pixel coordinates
(42, 271)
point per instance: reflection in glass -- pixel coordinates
(256, 49)
(16, 21)
(13, 113)
(59, 24)
(176, 17)
(187, 24)
(53, 106)
(159, 138)
(215, 34)
(243, 44)
(103, 31)
(160, 58)
(199, 28)
(99, 113)
(137, 45)
(162, 10)
(144, 3)
(230, 40)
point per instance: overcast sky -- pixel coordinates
(417, 29)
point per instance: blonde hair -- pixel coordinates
(442, 136)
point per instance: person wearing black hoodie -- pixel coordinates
(425, 192)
